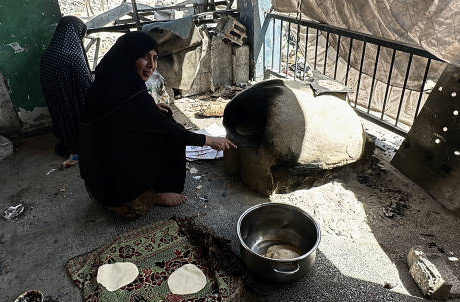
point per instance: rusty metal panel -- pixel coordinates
(430, 154)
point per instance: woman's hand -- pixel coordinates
(219, 143)
(165, 108)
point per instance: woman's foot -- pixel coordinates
(71, 161)
(169, 199)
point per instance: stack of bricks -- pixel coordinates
(231, 29)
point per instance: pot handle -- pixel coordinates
(285, 271)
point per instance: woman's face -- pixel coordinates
(147, 64)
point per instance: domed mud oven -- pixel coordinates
(287, 137)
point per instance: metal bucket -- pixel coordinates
(267, 224)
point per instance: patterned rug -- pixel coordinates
(158, 250)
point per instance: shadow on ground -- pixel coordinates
(60, 222)
(398, 214)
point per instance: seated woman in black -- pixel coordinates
(132, 152)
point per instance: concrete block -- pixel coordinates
(228, 28)
(240, 64)
(432, 274)
(203, 80)
(222, 65)
(221, 62)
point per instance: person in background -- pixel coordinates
(132, 150)
(65, 78)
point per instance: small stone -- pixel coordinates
(389, 285)
(453, 259)
(388, 213)
(432, 274)
(199, 187)
(193, 170)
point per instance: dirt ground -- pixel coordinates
(362, 249)
(378, 214)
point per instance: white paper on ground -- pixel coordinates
(193, 153)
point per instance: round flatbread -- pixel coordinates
(116, 275)
(282, 252)
(331, 85)
(186, 280)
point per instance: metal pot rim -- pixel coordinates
(312, 250)
(24, 294)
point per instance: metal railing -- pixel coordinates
(367, 40)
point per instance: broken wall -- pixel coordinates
(25, 31)
(224, 64)
(196, 59)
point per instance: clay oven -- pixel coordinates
(288, 137)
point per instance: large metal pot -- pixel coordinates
(267, 224)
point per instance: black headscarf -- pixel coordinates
(116, 77)
(65, 78)
(68, 37)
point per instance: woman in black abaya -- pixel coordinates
(132, 150)
(65, 78)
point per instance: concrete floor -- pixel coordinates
(60, 222)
